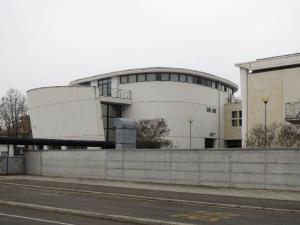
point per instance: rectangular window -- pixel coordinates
(234, 114)
(214, 110)
(240, 114)
(85, 84)
(208, 83)
(141, 77)
(234, 123)
(182, 78)
(208, 109)
(151, 77)
(132, 78)
(164, 77)
(201, 81)
(190, 79)
(216, 85)
(195, 80)
(240, 122)
(105, 87)
(174, 77)
(124, 79)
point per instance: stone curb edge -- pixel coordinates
(103, 216)
(179, 201)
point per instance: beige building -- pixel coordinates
(275, 80)
(233, 123)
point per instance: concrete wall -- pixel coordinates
(274, 169)
(12, 165)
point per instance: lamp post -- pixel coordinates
(265, 100)
(190, 122)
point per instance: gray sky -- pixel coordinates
(46, 43)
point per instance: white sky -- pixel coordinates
(52, 42)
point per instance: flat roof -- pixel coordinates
(157, 70)
(271, 62)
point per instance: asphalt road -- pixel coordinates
(69, 196)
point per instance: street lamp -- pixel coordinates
(265, 100)
(190, 122)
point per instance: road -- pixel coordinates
(132, 205)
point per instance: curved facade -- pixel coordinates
(175, 94)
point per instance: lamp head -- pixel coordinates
(190, 120)
(265, 99)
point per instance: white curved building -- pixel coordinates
(85, 109)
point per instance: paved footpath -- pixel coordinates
(47, 200)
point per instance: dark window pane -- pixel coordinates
(104, 122)
(111, 123)
(234, 123)
(104, 109)
(216, 85)
(214, 110)
(164, 77)
(132, 78)
(151, 77)
(240, 114)
(190, 79)
(124, 79)
(195, 80)
(85, 84)
(141, 77)
(174, 77)
(111, 135)
(208, 83)
(234, 114)
(208, 109)
(201, 80)
(182, 77)
(240, 122)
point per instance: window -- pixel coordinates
(182, 78)
(208, 109)
(85, 84)
(132, 78)
(240, 122)
(105, 87)
(234, 114)
(234, 123)
(109, 113)
(151, 77)
(195, 80)
(214, 110)
(201, 80)
(190, 79)
(174, 77)
(141, 77)
(208, 83)
(124, 79)
(216, 85)
(164, 77)
(240, 114)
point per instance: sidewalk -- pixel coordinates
(234, 192)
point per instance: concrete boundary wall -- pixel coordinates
(271, 169)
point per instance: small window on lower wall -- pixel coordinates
(214, 110)
(208, 109)
(234, 123)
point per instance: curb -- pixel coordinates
(146, 198)
(102, 216)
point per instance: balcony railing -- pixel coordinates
(292, 112)
(233, 99)
(116, 93)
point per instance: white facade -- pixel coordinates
(74, 112)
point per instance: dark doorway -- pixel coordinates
(209, 142)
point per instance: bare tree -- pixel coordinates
(276, 136)
(151, 134)
(13, 114)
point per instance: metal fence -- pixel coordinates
(12, 165)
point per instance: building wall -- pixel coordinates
(178, 102)
(272, 169)
(66, 113)
(231, 132)
(281, 86)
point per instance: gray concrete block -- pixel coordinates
(114, 165)
(286, 180)
(184, 156)
(214, 156)
(283, 156)
(248, 168)
(184, 175)
(159, 155)
(247, 156)
(113, 155)
(128, 173)
(214, 177)
(184, 166)
(134, 156)
(243, 178)
(134, 165)
(292, 168)
(157, 166)
(157, 174)
(214, 167)
(112, 173)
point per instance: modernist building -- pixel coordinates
(274, 81)
(86, 108)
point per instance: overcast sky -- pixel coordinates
(48, 43)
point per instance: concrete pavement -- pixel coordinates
(96, 197)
